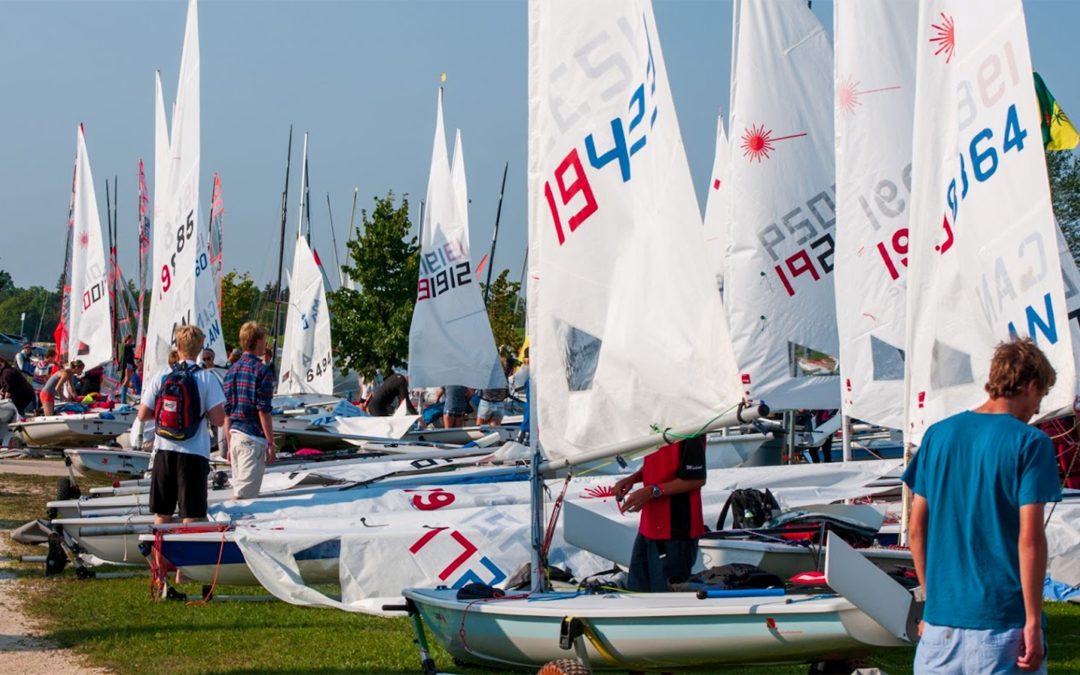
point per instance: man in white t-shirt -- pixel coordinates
(182, 458)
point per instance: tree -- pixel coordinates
(1064, 170)
(507, 324)
(7, 286)
(34, 302)
(239, 303)
(371, 325)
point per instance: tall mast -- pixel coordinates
(281, 241)
(333, 236)
(495, 235)
(303, 197)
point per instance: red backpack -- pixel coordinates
(178, 412)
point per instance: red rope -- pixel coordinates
(217, 570)
(549, 535)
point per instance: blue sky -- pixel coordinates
(361, 76)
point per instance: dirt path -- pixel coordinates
(23, 650)
(34, 467)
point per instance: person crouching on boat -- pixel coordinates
(249, 431)
(179, 399)
(981, 479)
(671, 521)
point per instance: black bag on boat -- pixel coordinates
(749, 508)
(729, 577)
(521, 579)
(476, 591)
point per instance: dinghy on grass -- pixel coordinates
(587, 312)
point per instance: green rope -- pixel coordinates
(666, 432)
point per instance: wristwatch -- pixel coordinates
(657, 492)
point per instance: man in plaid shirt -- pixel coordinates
(249, 387)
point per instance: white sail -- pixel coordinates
(875, 102)
(718, 204)
(778, 282)
(90, 327)
(208, 313)
(1070, 277)
(176, 225)
(984, 254)
(159, 325)
(626, 327)
(306, 361)
(450, 340)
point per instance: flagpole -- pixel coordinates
(495, 234)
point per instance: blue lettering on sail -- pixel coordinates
(1048, 327)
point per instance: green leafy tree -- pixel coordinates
(506, 312)
(239, 302)
(1064, 170)
(371, 324)
(7, 286)
(35, 302)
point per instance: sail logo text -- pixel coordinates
(441, 272)
(807, 225)
(322, 366)
(629, 135)
(1021, 275)
(982, 154)
(184, 233)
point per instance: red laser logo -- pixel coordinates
(599, 492)
(758, 142)
(849, 94)
(945, 37)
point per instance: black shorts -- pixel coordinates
(179, 477)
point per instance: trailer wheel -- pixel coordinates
(564, 667)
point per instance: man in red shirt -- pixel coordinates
(671, 520)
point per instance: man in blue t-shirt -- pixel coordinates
(980, 481)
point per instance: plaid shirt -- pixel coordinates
(249, 386)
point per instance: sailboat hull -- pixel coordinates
(666, 631)
(58, 431)
(110, 462)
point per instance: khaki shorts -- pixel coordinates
(247, 456)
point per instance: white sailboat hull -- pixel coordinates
(57, 431)
(110, 462)
(660, 631)
(785, 560)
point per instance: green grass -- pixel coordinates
(115, 624)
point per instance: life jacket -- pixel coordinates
(178, 412)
